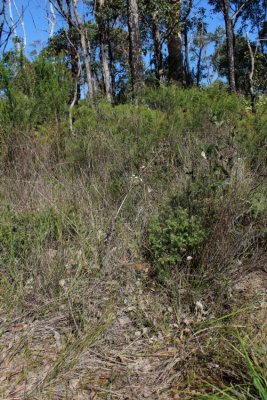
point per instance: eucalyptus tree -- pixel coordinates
(255, 17)
(230, 44)
(187, 24)
(200, 41)
(68, 9)
(100, 14)
(135, 48)
(174, 41)
(66, 45)
(251, 65)
(157, 40)
(2, 20)
(167, 20)
(232, 11)
(152, 15)
(9, 24)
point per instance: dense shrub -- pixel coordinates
(172, 235)
(196, 106)
(34, 93)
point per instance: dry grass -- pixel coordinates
(82, 315)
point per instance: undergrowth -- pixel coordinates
(157, 208)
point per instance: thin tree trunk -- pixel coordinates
(21, 19)
(78, 26)
(187, 62)
(102, 33)
(135, 53)
(251, 74)
(75, 99)
(175, 58)
(199, 59)
(111, 65)
(75, 64)
(12, 19)
(2, 19)
(157, 48)
(74, 59)
(230, 46)
(75, 68)
(52, 21)
(84, 45)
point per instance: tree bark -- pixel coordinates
(175, 58)
(52, 21)
(230, 45)
(75, 99)
(75, 73)
(157, 48)
(2, 20)
(188, 77)
(102, 33)
(84, 45)
(111, 64)
(135, 53)
(199, 59)
(251, 75)
(20, 15)
(74, 56)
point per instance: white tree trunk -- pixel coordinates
(84, 45)
(103, 48)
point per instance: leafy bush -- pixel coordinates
(172, 235)
(194, 107)
(35, 93)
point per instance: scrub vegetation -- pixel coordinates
(133, 212)
(133, 249)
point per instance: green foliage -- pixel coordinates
(88, 209)
(194, 108)
(172, 235)
(117, 140)
(33, 93)
(252, 133)
(259, 204)
(243, 65)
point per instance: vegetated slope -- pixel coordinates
(133, 250)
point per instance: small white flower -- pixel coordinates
(203, 154)
(189, 258)
(135, 180)
(62, 283)
(29, 284)
(199, 308)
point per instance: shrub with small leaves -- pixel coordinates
(172, 236)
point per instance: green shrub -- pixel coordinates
(34, 94)
(173, 235)
(192, 108)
